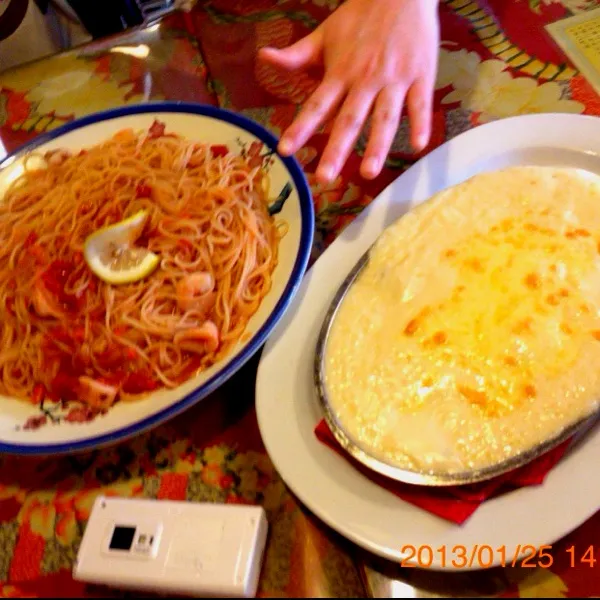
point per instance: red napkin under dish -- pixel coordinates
(455, 503)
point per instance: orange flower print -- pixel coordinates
(215, 454)
(40, 515)
(583, 92)
(83, 502)
(211, 474)
(12, 491)
(66, 528)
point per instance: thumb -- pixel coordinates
(304, 53)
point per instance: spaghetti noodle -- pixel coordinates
(69, 336)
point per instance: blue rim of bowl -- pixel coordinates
(258, 339)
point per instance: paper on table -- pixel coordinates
(579, 38)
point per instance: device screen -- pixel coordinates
(122, 538)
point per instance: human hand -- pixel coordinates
(375, 54)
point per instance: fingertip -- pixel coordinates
(267, 51)
(370, 168)
(285, 147)
(300, 54)
(325, 174)
(420, 140)
(385, 122)
(420, 113)
(270, 55)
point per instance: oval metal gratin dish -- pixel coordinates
(576, 430)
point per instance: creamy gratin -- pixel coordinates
(473, 332)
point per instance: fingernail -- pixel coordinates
(325, 173)
(371, 166)
(422, 140)
(285, 146)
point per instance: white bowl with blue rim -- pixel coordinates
(292, 201)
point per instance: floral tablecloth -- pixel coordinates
(496, 60)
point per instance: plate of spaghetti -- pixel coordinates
(146, 254)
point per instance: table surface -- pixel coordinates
(214, 451)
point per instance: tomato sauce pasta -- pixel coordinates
(68, 335)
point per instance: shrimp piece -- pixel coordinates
(57, 157)
(44, 306)
(97, 394)
(191, 288)
(198, 339)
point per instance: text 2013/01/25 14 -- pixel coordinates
(482, 556)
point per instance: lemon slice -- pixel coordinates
(110, 254)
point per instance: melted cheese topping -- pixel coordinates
(473, 333)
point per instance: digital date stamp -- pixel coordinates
(477, 556)
(485, 556)
(588, 556)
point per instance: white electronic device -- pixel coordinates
(185, 548)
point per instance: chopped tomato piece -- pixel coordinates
(30, 239)
(143, 191)
(219, 150)
(112, 358)
(38, 394)
(58, 334)
(56, 275)
(130, 353)
(157, 129)
(65, 387)
(38, 254)
(85, 208)
(116, 378)
(254, 157)
(79, 364)
(55, 278)
(139, 382)
(185, 244)
(79, 334)
(52, 396)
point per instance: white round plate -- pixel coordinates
(204, 124)
(287, 405)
